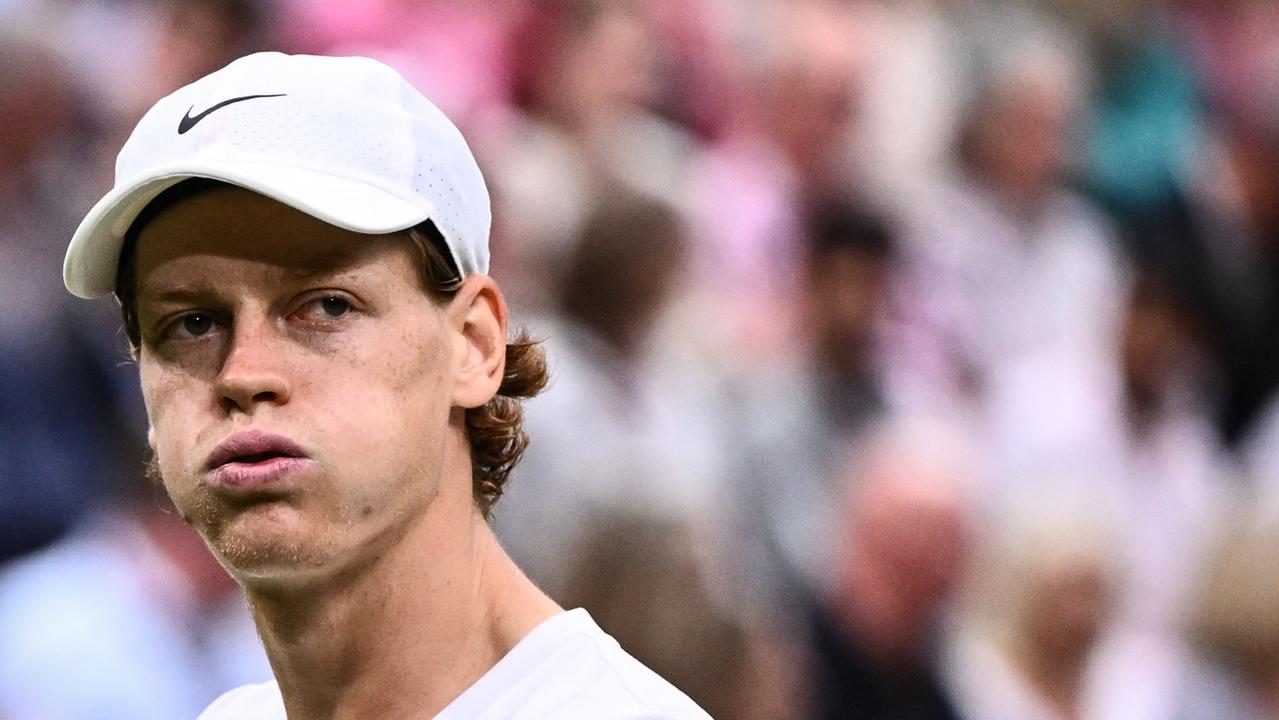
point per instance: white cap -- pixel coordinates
(345, 140)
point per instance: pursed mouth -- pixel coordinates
(257, 458)
(257, 476)
(253, 447)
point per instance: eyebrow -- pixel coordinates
(173, 293)
(189, 290)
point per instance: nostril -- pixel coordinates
(243, 390)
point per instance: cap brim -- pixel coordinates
(89, 270)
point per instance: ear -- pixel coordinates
(478, 317)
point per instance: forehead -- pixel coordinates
(227, 223)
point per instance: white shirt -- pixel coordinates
(566, 668)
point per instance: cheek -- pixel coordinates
(389, 412)
(173, 421)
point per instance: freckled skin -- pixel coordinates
(237, 335)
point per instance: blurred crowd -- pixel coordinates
(911, 359)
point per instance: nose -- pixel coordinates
(253, 371)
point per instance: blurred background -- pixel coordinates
(912, 358)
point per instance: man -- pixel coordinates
(332, 400)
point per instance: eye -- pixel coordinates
(335, 307)
(192, 325)
(324, 308)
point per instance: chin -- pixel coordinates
(269, 544)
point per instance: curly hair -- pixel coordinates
(494, 430)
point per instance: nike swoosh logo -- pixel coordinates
(189, 122)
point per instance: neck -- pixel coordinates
(406, 634)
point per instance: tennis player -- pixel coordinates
(300, 248)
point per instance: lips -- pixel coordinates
(254, 460)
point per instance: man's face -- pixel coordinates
(298, 380)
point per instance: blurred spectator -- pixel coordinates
(64, 398)
(644, 582)
(1174, 469)
(586, 80)
(1165, 478)
(899, 551)
(1222, 218)
(455, 51)
(1148, 109)
(620, 426)
(156, 47)
(1014, 286)
(1236, 624)
(846, 273)
(129, 617)
(188, 40)
(1042, 594)
(910, 92)
(786, 147)
(794, 419)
